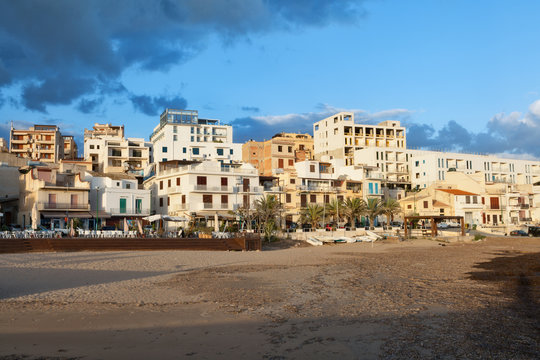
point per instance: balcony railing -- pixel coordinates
(62, 206)
(222, 188)
(129, 212)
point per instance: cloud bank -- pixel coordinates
(515, 134)
(64, 51)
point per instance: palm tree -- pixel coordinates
(390, 207)
(266, 211)
(335, 209)
(373, 208)
(353, 208)
(312, 214)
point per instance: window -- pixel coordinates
(280, 148)
(467, 199)
(128, 186)
(231, 151)
(417, 163)
(475, 199)
(175, 129)
(193, 138)
(164, 149)
(220, 152)
(316, 127)
(224, 199)
(175, 137)
(207, 199)
(177, 181)
(301, 147)
(280, 163)
(288, 198)
(91, 146)
(160, 202)
(311, 168)
(426, 204)
(289, 149)
(138, 206)
(183, 199)
(292, 181)
(291, 162)
(409, 206)
(74, 200)
(161, 185)
(168, 200)
(184, 150)
(370, 186)
(195, 151)
(123, 206)
(169, 183)
(312, 198)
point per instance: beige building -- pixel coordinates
(39, 142)
(49, 197)
(482, 203)
(337, 137)
(109, 151)
(71, 151)
(279, 153)
(202, 189)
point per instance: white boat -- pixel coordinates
(313, 241)
(373, 236)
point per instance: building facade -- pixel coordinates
(279, 153)
(182, 135)
(110, 152)
(40, 142)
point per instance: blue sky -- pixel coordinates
(461, 75)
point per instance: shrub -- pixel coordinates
(478, 237)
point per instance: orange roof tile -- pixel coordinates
(457, 192)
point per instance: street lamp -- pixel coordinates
(97, 207)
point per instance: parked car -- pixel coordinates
(534, 231)
(518, 233)
(443, 225)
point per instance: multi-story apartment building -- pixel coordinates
(428, 167)
(50, 197)
(480, 202)
(182, 135)
(318, 182)
(40, 142)
(337, 137)
(71, 151)
(109, 151)
(115, 197)
(202, 189)
(279, 153)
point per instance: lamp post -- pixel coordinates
(97, 207)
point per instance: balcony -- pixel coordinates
(62, 206)
(177, 207)
(273, 189)
(207, 188)
(524, 206)
(315, 188)
(129, 212)
(525, 219)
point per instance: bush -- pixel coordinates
(478, 237)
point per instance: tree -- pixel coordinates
(312, 214)
(390, 207)
(353, 208)
(266, 211)
(335, 209)
(373, 209)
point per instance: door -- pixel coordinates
(303, 200)
(123, 203)
(245, 185)
(138, 206)
(74, 201)
(52, 201)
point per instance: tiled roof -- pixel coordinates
(456, 192)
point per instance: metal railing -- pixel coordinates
(62, 206)
(128, 211)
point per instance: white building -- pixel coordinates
(428, 167)
(194, 189)
(182, 135)
(117, 196)
(338, 136)
(109, 151)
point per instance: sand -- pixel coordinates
(414, 299)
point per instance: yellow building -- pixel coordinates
(49, 197)
(279, 153)
(40, 142)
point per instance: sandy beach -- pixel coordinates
(415, 299)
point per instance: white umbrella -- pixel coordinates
(72, 229)
(216, 222)
(126, 227)
(34, 216)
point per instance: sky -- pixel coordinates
(460, 75)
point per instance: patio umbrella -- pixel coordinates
(35, 216)
(139, 226)
(72, 229)
(126, 227)
(216, 222)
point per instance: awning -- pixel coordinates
(80, 215)
(153, 218)
(174, 218)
